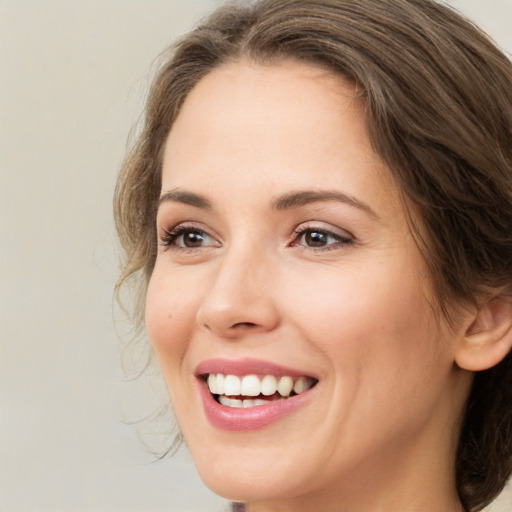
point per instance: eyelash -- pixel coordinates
(341, 240)
(170, 237)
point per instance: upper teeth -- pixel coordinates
(252, 385)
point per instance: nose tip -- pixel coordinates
(229, 323)
(235, 316)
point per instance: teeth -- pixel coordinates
(230, 402)
(301, 385)
(239, 404)
(285, 386)
(232, 385)
(268, 385)
(220, 384)
(212, 384)
(252, 386)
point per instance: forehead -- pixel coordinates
(288, 123)
(275, 101)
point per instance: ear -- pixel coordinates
(488, 339)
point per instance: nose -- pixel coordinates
(241, 296)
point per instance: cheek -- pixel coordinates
(388, 366)
(169, 317)
(373, 317)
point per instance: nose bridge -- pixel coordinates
(240, 298)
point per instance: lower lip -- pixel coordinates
(251, 418)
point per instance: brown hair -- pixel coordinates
(438, 99)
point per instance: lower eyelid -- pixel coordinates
(331, 246)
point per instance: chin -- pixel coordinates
(254, 466)
(241, 482)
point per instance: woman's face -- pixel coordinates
(284, 254)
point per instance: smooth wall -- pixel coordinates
(72, 80)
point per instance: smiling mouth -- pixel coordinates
(252, 390)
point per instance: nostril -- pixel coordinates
(243, 325)
(235, 318)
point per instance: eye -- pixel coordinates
(187, 237)
(319, 238)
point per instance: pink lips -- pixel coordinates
(246, 367)
(252, 418)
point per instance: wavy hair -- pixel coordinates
(438, 96)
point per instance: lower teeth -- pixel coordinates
(239, 403)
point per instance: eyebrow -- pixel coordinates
(287, 201)
(184, 197)
(300, 198)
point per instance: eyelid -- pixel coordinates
(323, 226)
(169, 235)
(344, 237)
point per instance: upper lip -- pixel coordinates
(248, 367)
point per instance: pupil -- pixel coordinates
(316, 239)
(192, 239)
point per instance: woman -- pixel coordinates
(319, 208)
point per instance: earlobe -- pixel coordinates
(488, 339)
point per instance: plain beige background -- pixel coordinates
(72, 78)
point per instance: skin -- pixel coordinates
(380, 428)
